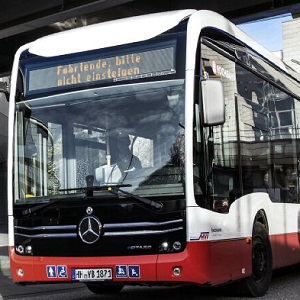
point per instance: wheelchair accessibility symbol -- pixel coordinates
(62, 272)
(121, 271)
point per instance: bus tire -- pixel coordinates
(101, 288)
(258, 283)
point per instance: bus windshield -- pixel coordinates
(130, 135)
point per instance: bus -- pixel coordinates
(159, 150)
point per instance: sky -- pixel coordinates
(267, 32)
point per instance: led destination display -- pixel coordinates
(156, 62)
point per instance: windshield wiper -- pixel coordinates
(33, 209)
(115, 189)
(157, 205)
(90, 189)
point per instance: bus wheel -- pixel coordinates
(258, 283)
(101, 288)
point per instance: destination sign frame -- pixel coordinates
(95, 68)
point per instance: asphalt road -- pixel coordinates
(285, 285)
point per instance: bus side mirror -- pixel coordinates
(213, 102)
(4, 90)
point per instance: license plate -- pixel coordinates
(92, 274)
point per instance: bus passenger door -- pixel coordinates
(283, 133)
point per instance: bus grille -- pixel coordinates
(112, 229)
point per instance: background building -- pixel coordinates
(291, 43)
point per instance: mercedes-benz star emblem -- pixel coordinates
(89, 229)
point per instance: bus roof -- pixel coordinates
(139, 28)
(107, 34)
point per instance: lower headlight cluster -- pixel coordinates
(169, 247)
(24, 251)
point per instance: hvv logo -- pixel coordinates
(204, 236)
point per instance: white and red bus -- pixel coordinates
(158, 149)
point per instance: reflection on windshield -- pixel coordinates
(131, 134)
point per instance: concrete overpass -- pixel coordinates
(23, 21)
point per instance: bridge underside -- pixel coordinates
(23, 21)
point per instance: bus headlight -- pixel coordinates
(28, 250)
(164, 246)
(20, 249)
(169, 247)
(177, 246)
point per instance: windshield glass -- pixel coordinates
(118, 135)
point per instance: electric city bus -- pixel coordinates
(158, 150)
